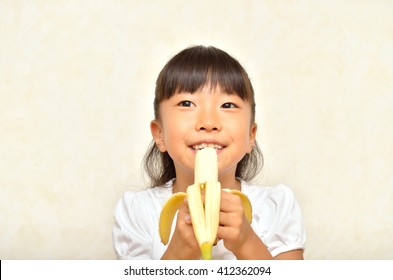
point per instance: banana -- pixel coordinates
(168, 213)
(204, 214)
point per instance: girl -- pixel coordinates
(204, 98)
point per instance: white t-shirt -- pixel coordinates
(277, 220)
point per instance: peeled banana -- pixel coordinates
(204, 214)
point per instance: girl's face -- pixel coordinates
(208, 117)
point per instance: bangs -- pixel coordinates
(195, 67)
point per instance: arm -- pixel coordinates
(254, 249)
(237, 233)
(130, 236)
(240, 238)
(291, 255)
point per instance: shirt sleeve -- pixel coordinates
(131, 236)
(285, 231)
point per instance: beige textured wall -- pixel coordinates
(76, 89)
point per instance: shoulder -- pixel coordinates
(272, 203)
(147, 199)
(279, 193)
(277, 218)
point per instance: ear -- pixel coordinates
(253, 135)
(158, 136)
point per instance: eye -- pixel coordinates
(185, 103)
(228, 105)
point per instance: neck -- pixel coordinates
(181, 184)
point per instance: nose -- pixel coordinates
(208, 121)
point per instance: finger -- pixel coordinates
(187, 219)
(184, 212)
(184, 207)
(230, 202)
(184, 230)
(231, 219)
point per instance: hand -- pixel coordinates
(183, 244)
(234, 228)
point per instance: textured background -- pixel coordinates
(76, 91)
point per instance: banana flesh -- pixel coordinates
(204, 214)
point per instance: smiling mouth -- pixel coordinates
(207, 145)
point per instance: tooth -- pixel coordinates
(204, 145)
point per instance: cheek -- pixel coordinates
(248, 135)
(174, 128)
(242, 128)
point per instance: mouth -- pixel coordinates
(207, 145)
